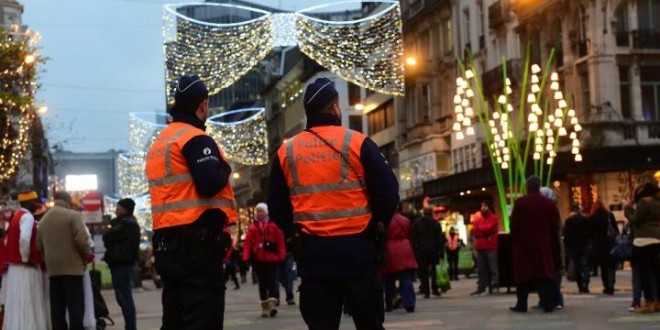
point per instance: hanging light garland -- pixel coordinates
(131, 174)
(143, 128)
(242, 135)
(18, 75)
(367, 52)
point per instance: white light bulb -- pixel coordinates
(491, 123)
(548, 147)
(549, 132)
(467, 122)
(469, 74)
(506, 157)
(460, 91)
(459, 81)
(551, 139)
(501, 99)
(508, 82)
(554, 76)
(554, 86)
(558, 95)
(537, 156)
(551, 118)
(469, 131)
(571, 113)
(459, 136)
(538, 148)
(532, 118)
(559, 113)
(457, 99)
(531, 98)
(457, 126)
(465, 103)
(535, 79)
(536, 88)
(578, 158)
(509, 108)
(536, 69)
(493, 131)
(508, 90)
(496, 115)
(563, 104)
(557, 122)
(549, 161)
(575, 151)
(469, 93)
(562, 131)
(573, 136)
(458, 109)
(577, 127)
(501, 143)
(576, 143)
(536, 109)
(505, 165)
(469, 112)
(574, 121)
(460, 117)
(533, 127)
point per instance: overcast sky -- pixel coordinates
(105, 60)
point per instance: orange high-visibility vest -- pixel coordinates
(174, 199)
(328, 195)
(452, 243)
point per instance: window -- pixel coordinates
(381, 117)
(624, 86)
(557, 44)
(650, 92)
(353, 94)
(648, 15)
(621, 15)
(467, 35)
(582, 23)
(446, 32)
(426, 103)
(424, 48)
(535, 40)
(355, 123)
(586, 94)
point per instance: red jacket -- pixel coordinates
(400, 256)
(484, 231)
(254, 242)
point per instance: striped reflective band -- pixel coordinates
(168, 154)
(178, 178)
(325, 187)
(343, 171)
(302, 216)
(193, 203)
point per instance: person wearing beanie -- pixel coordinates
(264, 245)
(23, 291)
(64, 243)
(333, 194)
(122, 243)
(191, 202)
(534, 238)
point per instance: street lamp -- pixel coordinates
(411, 61)
(359, 107)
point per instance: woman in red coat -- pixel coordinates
(401, 264)
(264, 245)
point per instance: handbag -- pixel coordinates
(623, 248)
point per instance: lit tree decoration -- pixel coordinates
(532, 133)
(367, 52)
(131, 174)
(18, 74)
(242, 135)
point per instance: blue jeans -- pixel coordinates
(121, 281)
(285, 275)
(580, 258)
(406, 289)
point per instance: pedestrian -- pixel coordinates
(285, 275)
(122, 243)
(191, 202)
(429, 247)
(604, 231)
(484, 230)
(401, 264)
(231, 262)
(629, 213)
(23, 286)
(64, 243)
(243, 267)
(264, 245)
(558, 254)
(577, 238)
(453, 247)
(534, 228)
(646, 224)
(335, 190)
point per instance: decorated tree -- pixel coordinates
(18, 84)
(521, 142)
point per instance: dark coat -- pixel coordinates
(428, 239)
(602, 243)
(400, 256)
(534, 231)
(122, 242)
(577, 232)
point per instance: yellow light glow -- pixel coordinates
(29, 59)
(42, 109)
(359, 107)
(411, 61)
(236, 175)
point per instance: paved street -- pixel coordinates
(454, 310)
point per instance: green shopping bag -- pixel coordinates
(442, 276)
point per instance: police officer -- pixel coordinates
(191, 202)
(329, 186)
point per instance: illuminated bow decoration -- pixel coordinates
(367, 52)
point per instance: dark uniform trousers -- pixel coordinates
(322, 298)
(190, 266)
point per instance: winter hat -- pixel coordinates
(189, 93)
(128, 204)
(319, 95)
(548, 193)
(27, 196)
(263, 206)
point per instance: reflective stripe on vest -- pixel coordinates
(343, 183)
(331, 214)
(192, 203)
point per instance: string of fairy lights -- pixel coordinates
(244, 140)
(367, 52)
(18, 73)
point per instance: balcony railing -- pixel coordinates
(646, 39)
(616, 133)
(497, 14)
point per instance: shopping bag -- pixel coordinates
(442, 276)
